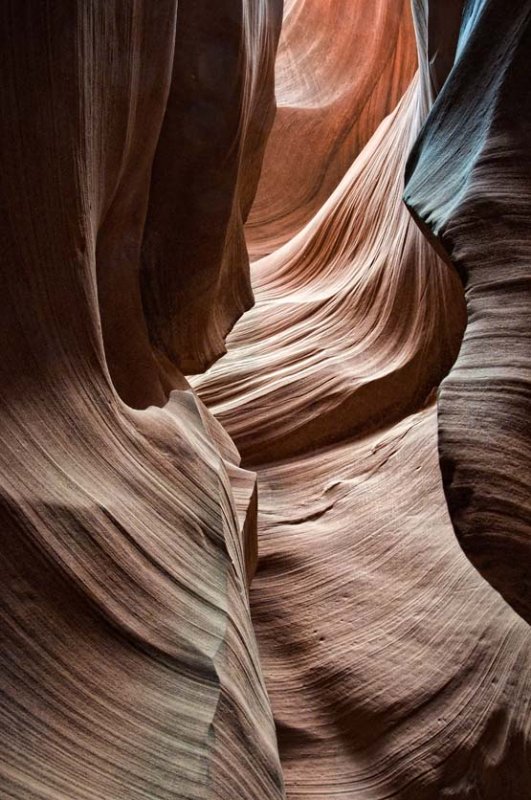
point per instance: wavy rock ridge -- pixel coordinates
(393, 668)
(134, 138)
(128, 664)
(480, 216)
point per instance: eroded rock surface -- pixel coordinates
(132, 137)
(393, 667)
(469, 183)
(128, 664)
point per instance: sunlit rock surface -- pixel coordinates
(393, 667)
(385, 656)
(342, 66)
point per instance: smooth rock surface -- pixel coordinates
(394, 669)
(128, 663)
(469, 183)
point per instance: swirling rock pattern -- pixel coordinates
(394, 669)
(128, 664)
(206, 167)
(133, 135)
(341, 68)
(469, 183)
(356, 318)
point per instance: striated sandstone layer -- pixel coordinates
(356, 318)
(341, 67)
(128, 664)
(469, 184)
(132, 137)
(394, 669)
(195, 276)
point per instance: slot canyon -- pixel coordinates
(265, 395)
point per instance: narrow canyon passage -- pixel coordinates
(393, 667)
(265, 516)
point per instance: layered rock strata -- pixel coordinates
(469, 184)
(132, 136)
(393, 667)
(128, 664)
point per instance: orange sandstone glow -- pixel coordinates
(301, 573)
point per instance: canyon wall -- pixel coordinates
(128, 664)
(469, 184)
(229, 565)
(393, 667)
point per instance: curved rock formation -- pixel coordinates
(133, 135)
(393, 668)
(195, 274)
(469, 183)
(356, 319)
(128, 665)
(341, 67)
